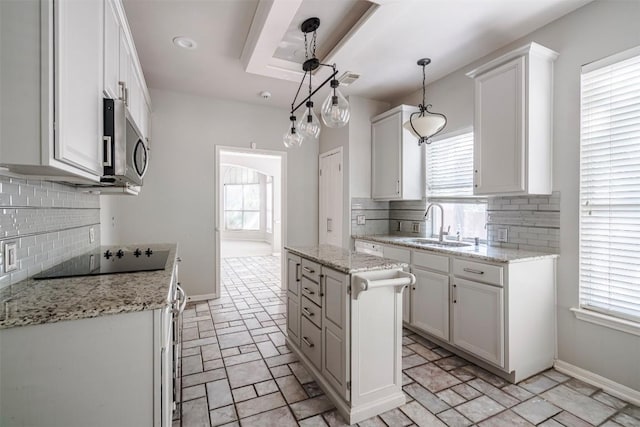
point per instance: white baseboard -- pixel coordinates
(613, 388)
(202, 297)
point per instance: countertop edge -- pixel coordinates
(388, 264)
(527, 255)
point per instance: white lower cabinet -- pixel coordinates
(478, 319)
(430, 302)
(335, 334)
(293, 297)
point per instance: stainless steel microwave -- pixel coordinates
(125, 151)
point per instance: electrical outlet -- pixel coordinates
(415, 227)
(361, 219)
(502, 235)
(10, 256)
(92, 235)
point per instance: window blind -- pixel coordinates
(450, 166)
(610, 186)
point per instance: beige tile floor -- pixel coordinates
(239, 372)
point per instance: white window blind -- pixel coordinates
(610, 186)
(450, 166)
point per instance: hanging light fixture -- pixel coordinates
(424, 124)
(335, 109)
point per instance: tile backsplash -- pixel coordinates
(532, 222)
(50, 222)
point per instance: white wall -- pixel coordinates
(177, 202)
(355, 140)
(594, 31)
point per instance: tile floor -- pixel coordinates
(239, 372)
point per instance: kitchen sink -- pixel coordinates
(437, 243)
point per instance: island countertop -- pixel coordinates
(32, 302)
(480, 252)
(343, 260)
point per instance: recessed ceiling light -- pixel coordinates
(184, 42)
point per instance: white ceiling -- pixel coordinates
(383, 49)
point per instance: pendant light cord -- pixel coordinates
(424, 90)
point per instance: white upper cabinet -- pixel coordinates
(513, 123)
(78, 39)
(59, 59)
(397, 168)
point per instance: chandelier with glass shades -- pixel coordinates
(335, 109)
(424, 124)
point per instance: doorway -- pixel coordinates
(251, 208)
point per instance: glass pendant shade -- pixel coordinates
(335, 110)
(309, 126)
(425, 126)
(292, 137)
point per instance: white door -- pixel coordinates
(478, 320)
(330, 218)
(430, 302)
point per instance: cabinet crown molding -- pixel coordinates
(532, 48)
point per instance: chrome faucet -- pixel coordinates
(442, 232)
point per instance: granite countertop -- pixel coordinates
(32, 302)
(481, 252)
(344, 260)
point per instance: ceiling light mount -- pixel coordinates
(425, 124)
(335, 109)
(185, 42)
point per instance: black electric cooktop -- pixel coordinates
(108, 260)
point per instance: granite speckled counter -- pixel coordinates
(343, 260)
(481, 252)
(33, 302)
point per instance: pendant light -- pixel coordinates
(335, 109)
(424, 124)
(292, 137)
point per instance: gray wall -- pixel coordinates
(597, 30)
(177, 202)
(50, 223)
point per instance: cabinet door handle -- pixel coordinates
(398, 187)
(322, 276)
(455, 298)
(309, 270)
(471, 270)
(308, 291)
(298, 273)
(307, 312)
(122, 86)
(307, 342)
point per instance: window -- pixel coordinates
(610, 186)
(241, 199)
(450, 183)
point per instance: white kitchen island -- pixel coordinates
(344, 322)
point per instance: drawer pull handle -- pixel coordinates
(471, 270)
(309, 270)
(308, 291)
(307, 342)
(298, 273)
(307, 312)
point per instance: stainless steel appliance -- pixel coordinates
(125, 151)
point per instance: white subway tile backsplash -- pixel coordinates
(49, 221)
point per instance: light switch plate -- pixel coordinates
(361, 219)
(415, 227)
(502, 235)
(10, 256)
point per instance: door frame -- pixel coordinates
(217, 200)
(344, 227)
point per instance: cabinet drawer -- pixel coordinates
(402, 255)
(311, 290)
(311, 311)
(478, 271)
(431, 261)
(311, 270)
(311, 341)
